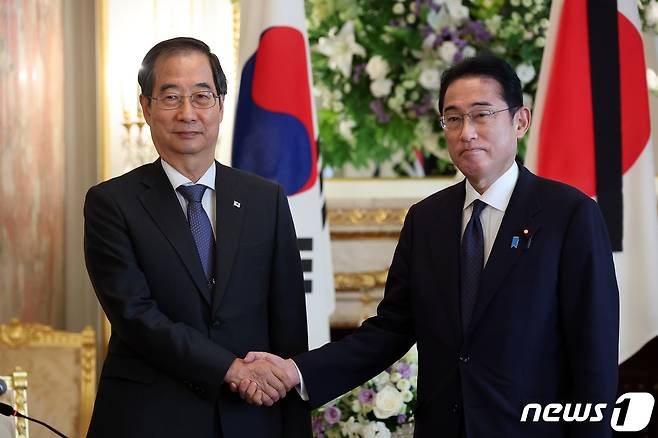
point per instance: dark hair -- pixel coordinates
(490, 66)
(146, 75)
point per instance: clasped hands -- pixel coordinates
(262, 378)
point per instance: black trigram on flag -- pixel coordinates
(305, 245)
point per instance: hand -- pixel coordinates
(247, 389)
(287, 365)
(262, 383)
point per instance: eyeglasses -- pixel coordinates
(455, 121)
(200, 100)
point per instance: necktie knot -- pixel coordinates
(192, 193)
(478, 206)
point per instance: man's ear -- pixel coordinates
(145, 102)
(523, 117)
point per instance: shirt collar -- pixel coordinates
(498, 194)
(177, 179)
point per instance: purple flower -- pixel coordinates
(478, 30)
(377, 107)
(332, 415)
(405, 370)
(366, 396)
(401, 418)
(317, 426)
(357, 71)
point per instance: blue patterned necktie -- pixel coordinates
(472, 260)
(200, 226)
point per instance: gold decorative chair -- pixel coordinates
(15, 396)
(62, 370)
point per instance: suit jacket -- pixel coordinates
(174, 336)
(544, 328)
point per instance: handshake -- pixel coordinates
(262, 378)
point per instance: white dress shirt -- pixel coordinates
(496, 198)
(208, 179)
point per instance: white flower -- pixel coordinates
(652, 80)
(456, 10)
(398, 8)
(468, 52)
(377, 68)
(388, 402)
(414, 381)
(340, 48)
(381, 380)
(651, 13)
(375, 430)
(526, 72)
(403, 385)
(411, 18)
(430, 79)
(356, 406)
(540, 42)
(345, 129)
(527, 100)
(428, 42)
(447, 51)
(438, 20)
(381, 87)
(350, 428)
(407, 396)
(395, 377)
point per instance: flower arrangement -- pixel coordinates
(377, 67)
(649, 17)
(374, 409)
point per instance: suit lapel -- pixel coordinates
(161, 203)
(520, 215)
(445, 239)
(229, 214)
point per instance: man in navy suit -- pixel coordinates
(505, 281)
(195, 264)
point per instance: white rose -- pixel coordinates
(526, 72)
(381, 87)
(395, 376)
(375, 430)
(447, 51)
(430, 79)
(377, 68)
(356, 406)
(411, 18)
(414, 381)
(652, 80)
(398, 8)
(407, 396)
(651, 13)
(388, 402)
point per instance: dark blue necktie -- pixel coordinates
(200, 226)
(472, 260)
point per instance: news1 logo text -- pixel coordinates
(631, 412)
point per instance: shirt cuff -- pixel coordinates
(301, 388)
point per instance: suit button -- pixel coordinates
(464, 359)
(455, 407)
(216, 323)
